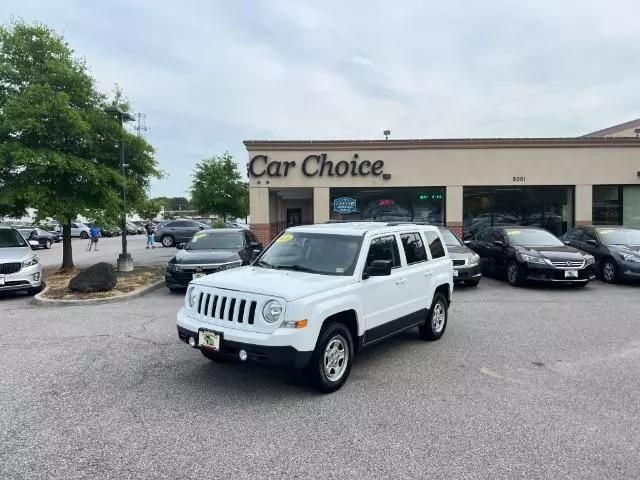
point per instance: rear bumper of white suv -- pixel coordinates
(27, 278)
(285, 348)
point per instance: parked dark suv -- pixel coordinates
(616, 250)
(531, 254)
(178, 231)
(210, 251)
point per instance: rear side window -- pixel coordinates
(413, 248)
(435, 244)
(384, 248)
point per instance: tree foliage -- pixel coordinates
(218, 187)
(149, 209)
(58, 147)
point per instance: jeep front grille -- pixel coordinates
(226, 307)
(8, 268)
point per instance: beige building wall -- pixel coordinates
(453, 164)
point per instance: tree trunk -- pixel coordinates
(67, 253)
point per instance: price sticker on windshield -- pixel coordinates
(287, 237)
(514, 232)
(605, 232)
(198, 236)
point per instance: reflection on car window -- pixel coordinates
(11, 238)
(531, 237)
(216, 240)
(620, 236)
(384, 248)
(449, 238)
(413, 248)
(435, 244)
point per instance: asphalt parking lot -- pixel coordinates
(526, 383)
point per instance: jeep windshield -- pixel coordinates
(11, 238)
(325, 254)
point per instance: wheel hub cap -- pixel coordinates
(438, 317)
(335, 358)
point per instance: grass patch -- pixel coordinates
(140, 277)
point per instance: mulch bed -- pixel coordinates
(140, 277)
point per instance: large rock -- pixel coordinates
(100, 277)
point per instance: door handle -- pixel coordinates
(402, 281)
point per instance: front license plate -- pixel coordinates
(455, 273)
(209, 339)
(199, 274)
(570, 274)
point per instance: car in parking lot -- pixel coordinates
(210, 251)
(615, 248)
(78, 229)
(523, 254)
(319, 294)
(37, 237)
(466, 263)
(20, 268)
(178, 231)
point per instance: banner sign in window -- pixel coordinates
(344, 205)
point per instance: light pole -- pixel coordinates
(125, 262)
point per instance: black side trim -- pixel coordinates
(381, 332)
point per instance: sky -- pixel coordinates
(210, 74)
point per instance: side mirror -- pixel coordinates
(592, 242)
(498, 243)
(379, 268)
(179, 246)
(255, 254)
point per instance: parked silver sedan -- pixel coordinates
(466, 263)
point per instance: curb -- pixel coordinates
(39, 300)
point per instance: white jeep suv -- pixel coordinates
(319, 294)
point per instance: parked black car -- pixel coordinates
(466, 263)
(43, 238)
(531, 254)
(178, 231)
(616, 250)
(210, 251)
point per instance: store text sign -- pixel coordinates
(317, 165)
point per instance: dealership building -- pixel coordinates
(464, 184)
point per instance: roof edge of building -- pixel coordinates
(614, 129)
(400, 144)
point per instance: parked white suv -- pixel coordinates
(20, 268)
(319, 294)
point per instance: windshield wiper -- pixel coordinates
(264, 264)
(297, 268)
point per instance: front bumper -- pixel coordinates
(467, 272)
(26, 279)
(273, 356)
(285, 347)
(548, 274)
(177, 279)
(629, 270)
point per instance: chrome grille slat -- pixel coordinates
(567, 264)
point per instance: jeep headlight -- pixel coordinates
(30, 261)
(272, 311)
(532, 259)
(191, 297)
(630, 257)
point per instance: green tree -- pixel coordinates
(149, 209)
(217, 187)
(58, 148)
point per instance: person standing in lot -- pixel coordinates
(150, 229)
(94, 235)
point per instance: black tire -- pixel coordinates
(167, 241)
(213, 356)
(84, 235)
(47, 244)
(472, 283)
(434, 326)
(514, 274)
(338, 335)
(609, 271)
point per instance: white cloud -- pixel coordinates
(211, 74)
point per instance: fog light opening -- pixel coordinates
(243, 355)
(36, 277)
(192, 342)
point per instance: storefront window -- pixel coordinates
(389, 204)
(550, 208)
(616, 205)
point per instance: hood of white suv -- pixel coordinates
(15, 254)
(286, 284)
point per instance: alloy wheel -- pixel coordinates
(438, 317)
(512, 273)
(336, 356)
(609, 272)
